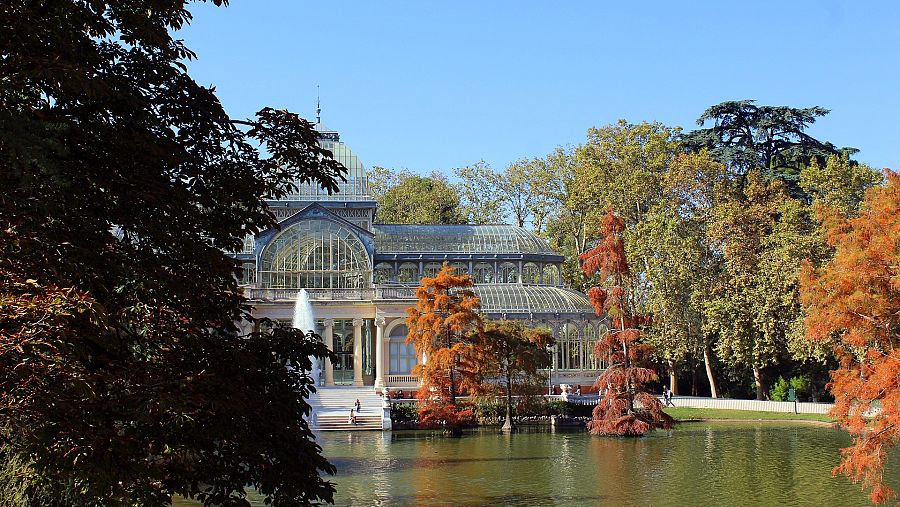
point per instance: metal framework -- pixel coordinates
(469, 239)
(314, 254)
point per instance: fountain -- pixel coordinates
(305, 321)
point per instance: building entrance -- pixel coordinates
(343, 347)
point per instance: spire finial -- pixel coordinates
(318, 107)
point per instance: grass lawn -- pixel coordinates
(682, 414)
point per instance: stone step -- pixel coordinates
(331, 407)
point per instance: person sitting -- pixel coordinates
(352, 418)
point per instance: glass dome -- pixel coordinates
(535, 299)
(357, 185)
(393, 238)
(314, 254)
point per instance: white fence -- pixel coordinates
(800, 407)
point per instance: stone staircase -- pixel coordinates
(331, 409)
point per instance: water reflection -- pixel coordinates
(699, 464)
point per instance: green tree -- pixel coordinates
(623, 165)
(382, 179)
(515, 355)
(772, 139)
(124, 376)
(479, 190)
(421, 200)
(520, 195)
(840, 184)
(764, 235)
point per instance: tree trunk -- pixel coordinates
(673, 377)
(707, 357)
(762, 390)
(508, 424)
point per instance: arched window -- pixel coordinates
(551, 274)
(590, 341)
(432, 269)
(531, 273)
(483, 272)
(248, 273)
(315, 254)
(568, 348)
(408, 273)
(462, 268)
(508, 273)
(384, 272)
(249, 243)
(402, 356)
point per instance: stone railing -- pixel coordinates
(314, 294)
(401, 379)
(395, 293)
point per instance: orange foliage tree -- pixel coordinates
(855, 298)
(441, 327)
(626, 408)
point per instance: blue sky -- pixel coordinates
(434, 86)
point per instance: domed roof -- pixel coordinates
(469, 239)
(532, 299)
(357, 185)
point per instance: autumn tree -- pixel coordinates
(514, 355)
(856, 298)
(124, 378)
(444, 327)
(626, 408)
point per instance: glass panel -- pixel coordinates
(384, 272)
(551, 274)
(462, 268)
(508, 272)
(458, 238)
(403, 356)
(531, 273)
(408, 273)
(432, 269)
(483, 272)
(315, 253)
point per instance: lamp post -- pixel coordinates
(550, 371)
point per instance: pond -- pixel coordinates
(697, 464)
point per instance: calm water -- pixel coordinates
(715, 464)
(699, 464)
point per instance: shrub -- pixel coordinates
(779, 391)
(404, 414)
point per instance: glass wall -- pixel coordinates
(531, 273)
(551, 274)
(432, 269)
(315, 254)
(384, 272)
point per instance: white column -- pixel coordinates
(329, 342)
(357, 353)
(379, 352)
